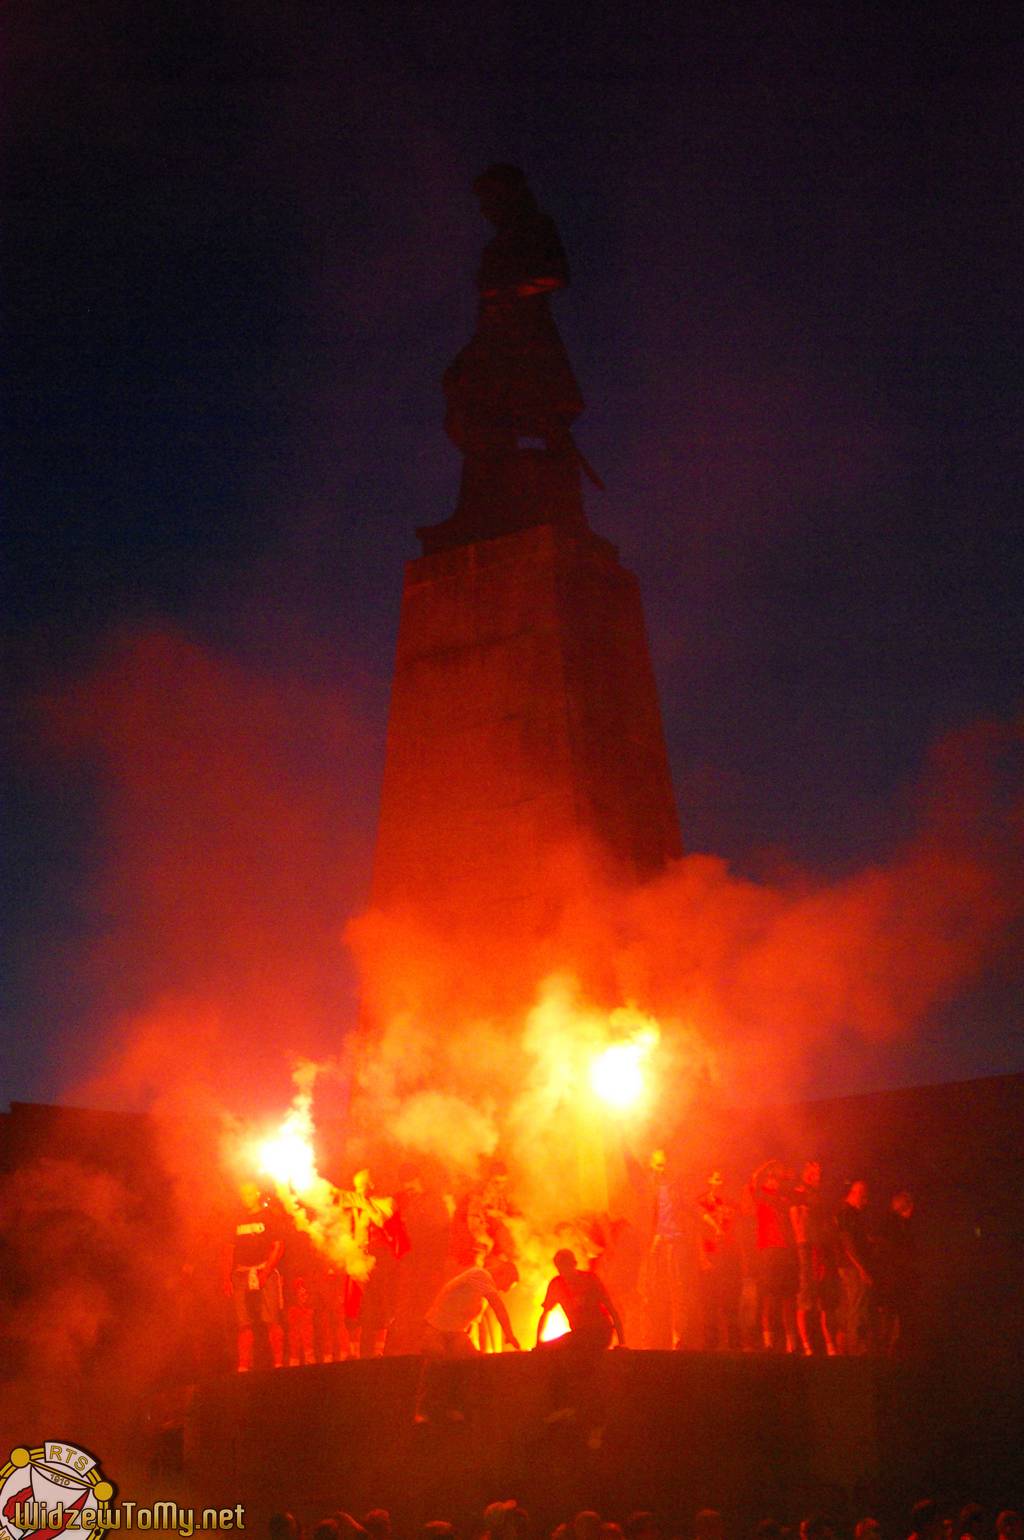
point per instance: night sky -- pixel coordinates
(241, 244)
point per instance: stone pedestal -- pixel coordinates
(754, 1435)
(524, 718)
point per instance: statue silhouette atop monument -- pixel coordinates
(511, 395)
(524, 722)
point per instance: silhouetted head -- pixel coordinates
(252, 1198)
(972, 1515)
(586, 1525)
(500, 1520)
(708, 1524)
(642, 1525)
(348, 1527)
(438, 1529)
(503, 194)
(565, 1262)
(504, 1272)
(771, 1177)
(284, 1526)
(924, 1515)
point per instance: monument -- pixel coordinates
(524, 716)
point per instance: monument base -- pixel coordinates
(749, 1435)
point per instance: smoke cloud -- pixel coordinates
(233, 842)
(745, 977)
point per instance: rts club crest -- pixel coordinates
(52, 1490)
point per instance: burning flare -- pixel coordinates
(617, 1074)
(318, 1208)
(287, 1156)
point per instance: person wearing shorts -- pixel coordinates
(253, 1280)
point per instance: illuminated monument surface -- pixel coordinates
(524, 715)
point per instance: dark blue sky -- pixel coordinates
(240, 250)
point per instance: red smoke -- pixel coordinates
(762, 971)
(231, 843)
(234, 842)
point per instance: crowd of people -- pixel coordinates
(779, 1268)
(507, 1520)
(772, 1265)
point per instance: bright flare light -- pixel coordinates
(287, 1156)
(555, 1326)
(617, 1074)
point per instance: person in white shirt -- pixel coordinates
(455, 1310)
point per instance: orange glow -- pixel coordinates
(287, 1156)
(555, 1326)
(318, 1208)
(617, 1074)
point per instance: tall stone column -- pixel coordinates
(523, 717)
(524, 722)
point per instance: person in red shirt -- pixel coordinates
(593, 1320)
(776, 1255)
(588, 1307)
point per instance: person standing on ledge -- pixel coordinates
(806, 1215)
(855, 1264)
(669, 1281)
(252, 1279)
